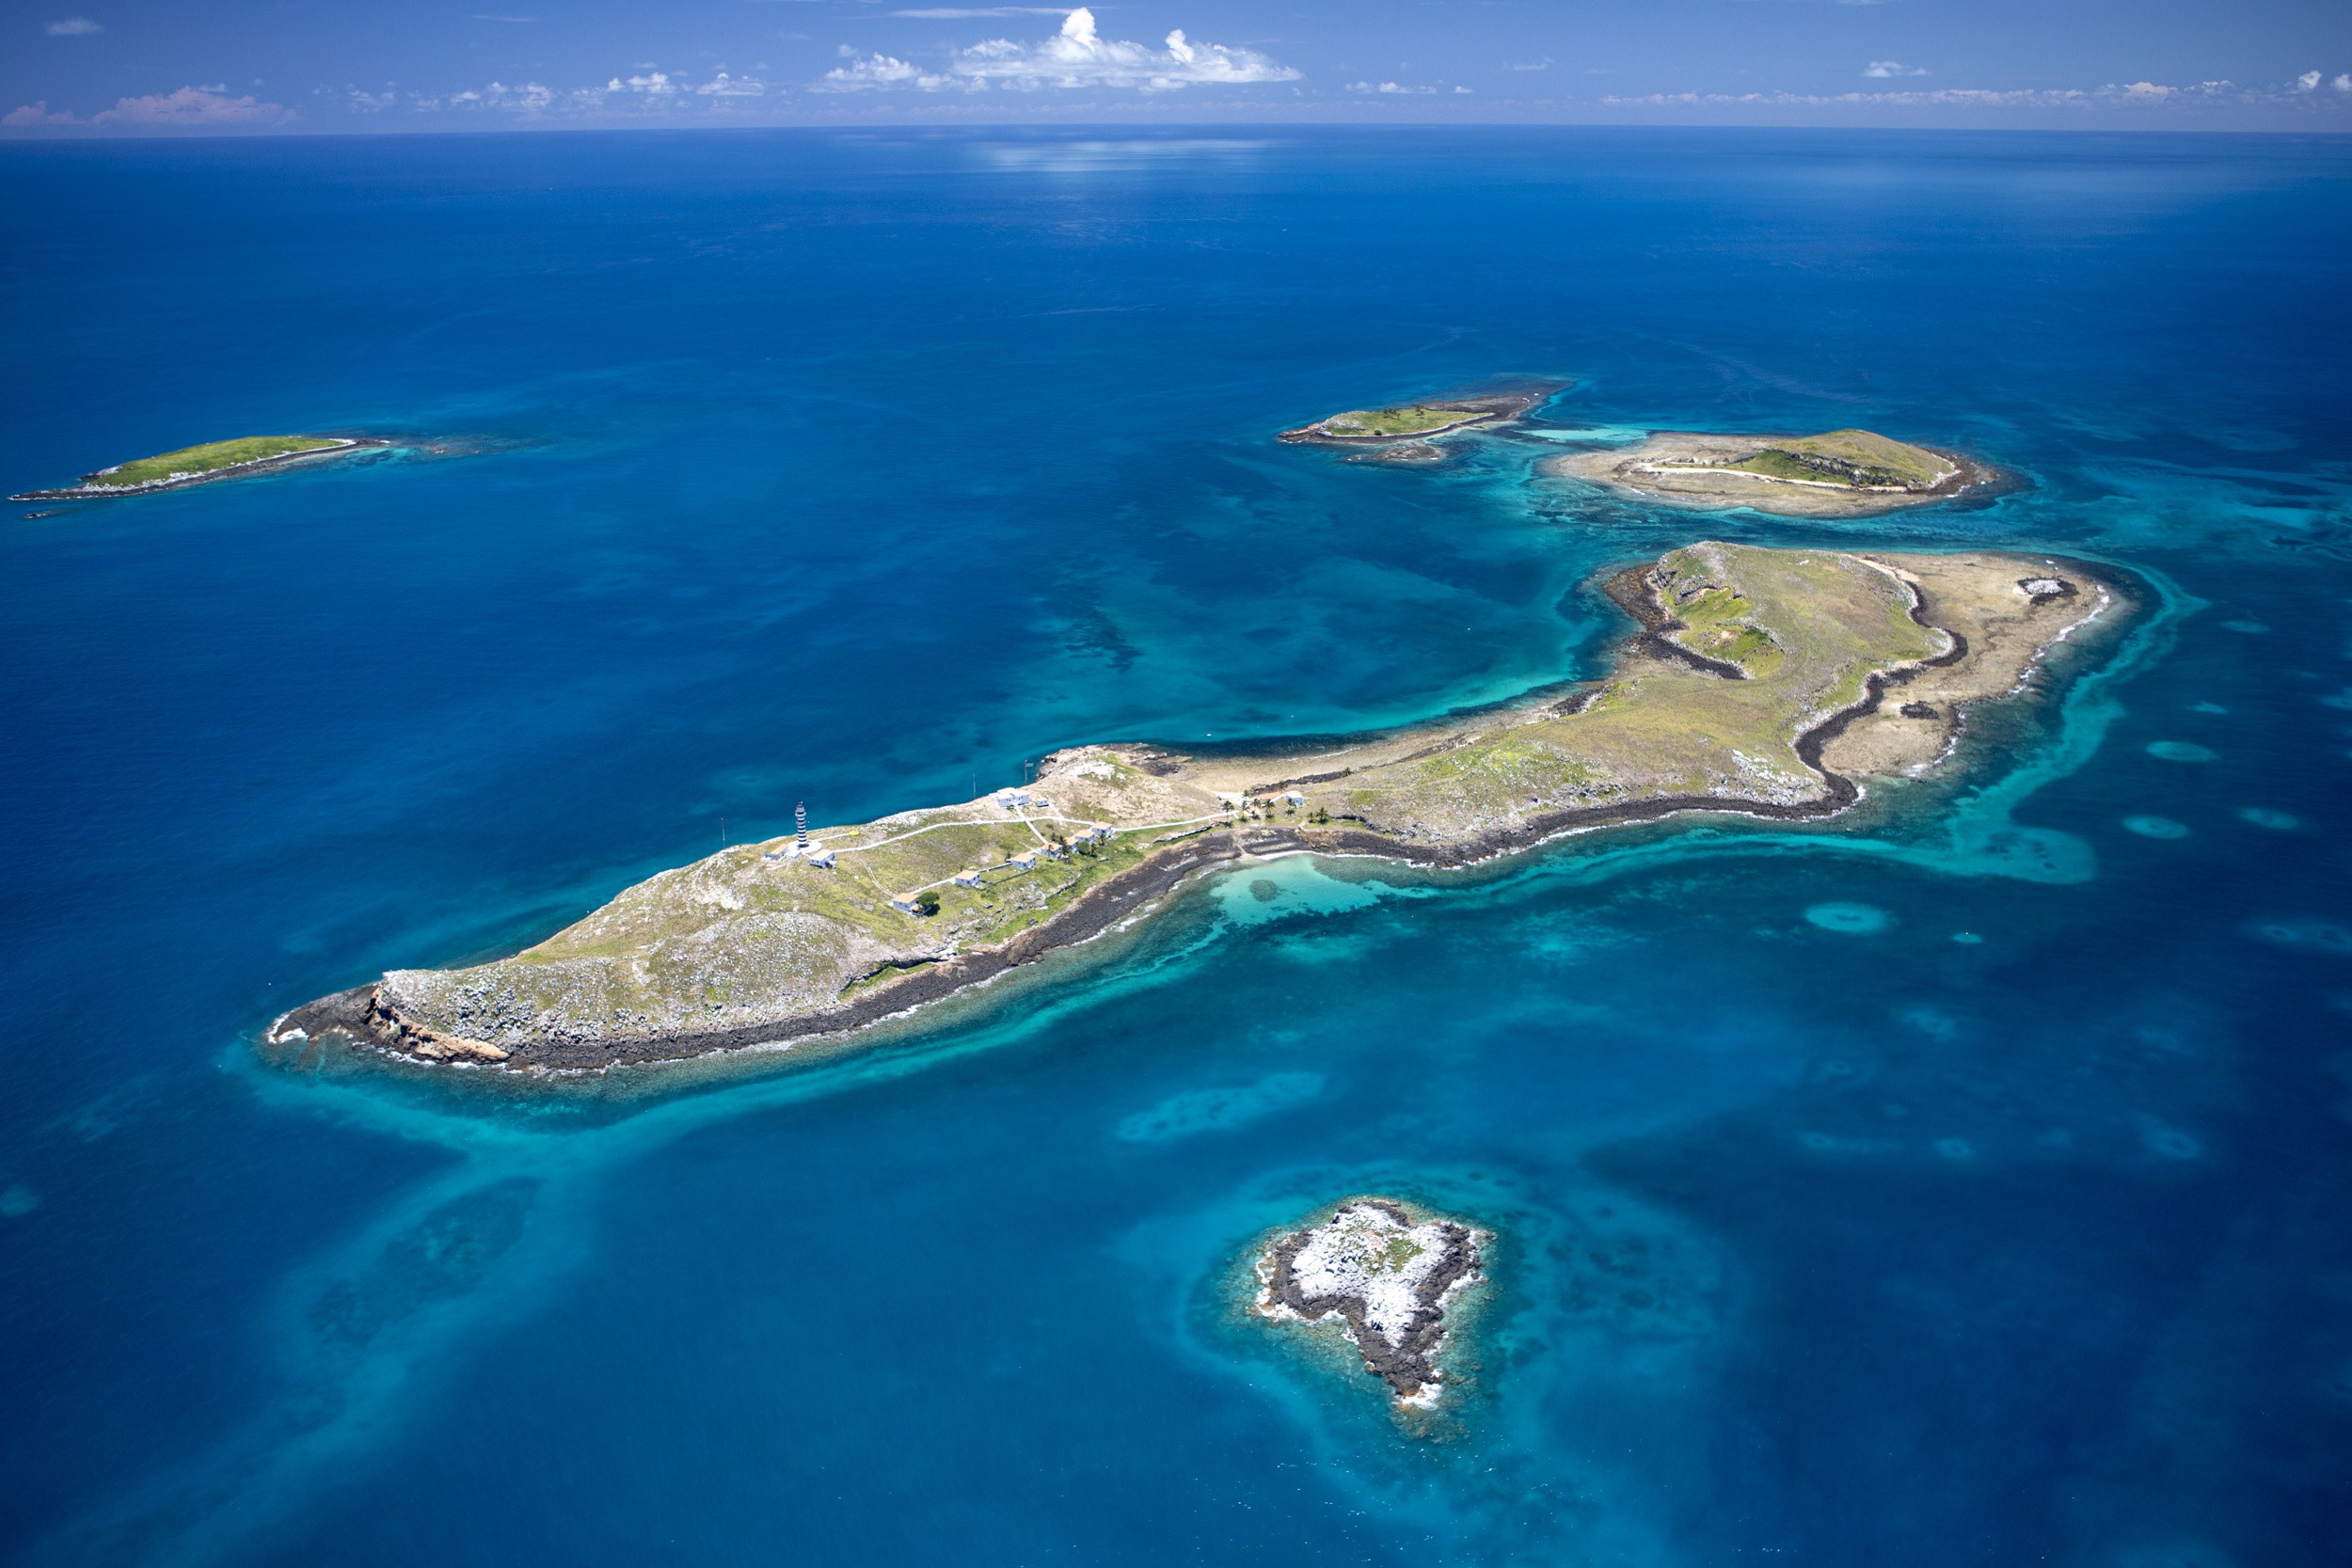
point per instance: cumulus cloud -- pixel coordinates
(1077, 57)
(2114, 95)
(2342, 82)
(2307, 82)
(883, 71)
(37, 114)
(529, 98)
(1893, 68)
(725, 86)
(72, 27)
(193, 108)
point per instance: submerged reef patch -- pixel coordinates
(1849, 919)
(1197, 1111)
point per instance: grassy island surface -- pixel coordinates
(1413, 421)
(189, 465)
(1751, 662)
(1840, 473)
(1417, 419)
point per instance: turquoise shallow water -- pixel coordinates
(1964, 1184)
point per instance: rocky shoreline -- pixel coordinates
(90, 490)
(364, 1016)
(1389, 1276)
(372, 1020)
(1671, 468)
(1491, 408)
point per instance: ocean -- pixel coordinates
(1965, 1182)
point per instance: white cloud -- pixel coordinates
(883, 71)
(529, 98)
(2307, 82)
(37, 114)
(72, 27)
(2128, 95)
(725, 86)
(1544, 64)
(192, 107)
(1077, 57)
(2342, 82)
(1893, 68)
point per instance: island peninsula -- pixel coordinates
(196, 464)
(1842, 473)
(1756, 686)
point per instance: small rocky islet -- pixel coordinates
(1401, 433)
(1389, 1277)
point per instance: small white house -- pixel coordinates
(819, 856)
(967, 879)
(1026, 860)
(1293, 799)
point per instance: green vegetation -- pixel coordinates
(1414, 418)
(1806, 628)
(190, 462)
(747, 937)
(1719, 623)
(1856, 457)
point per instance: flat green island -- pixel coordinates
(1407, 424)
(195, 464)
(1753, 686)
(1839, 473)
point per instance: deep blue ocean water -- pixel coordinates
(741, 469)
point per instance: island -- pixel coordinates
(196, 464)
(1841, 473)
(1387, 1276)
(1758, 684)
(1401, 433)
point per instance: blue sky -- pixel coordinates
(149, 67)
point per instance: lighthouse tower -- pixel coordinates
(800, 823)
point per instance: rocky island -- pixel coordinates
(1401, 433)
(1764, 682)
(196, 464)
(1842, 473)
(1388, 1277)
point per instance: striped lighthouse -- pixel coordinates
(800, 822)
